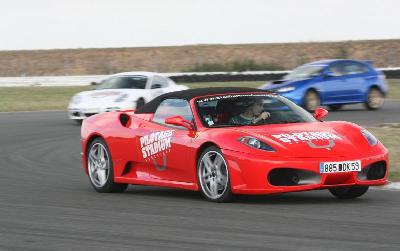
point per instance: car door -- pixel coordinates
(158, 85)
(168, 150)
(354, 80)
(333, 88)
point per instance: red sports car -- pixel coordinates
(226, 141)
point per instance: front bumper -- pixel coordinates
(249, 173)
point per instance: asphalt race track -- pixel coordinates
(47, 203)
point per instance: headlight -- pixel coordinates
(286, 89)
(121, 98)
(76, 99)
(255, 143)
(369, 137)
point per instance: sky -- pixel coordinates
(50, 24)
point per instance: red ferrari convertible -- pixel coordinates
(226, 141)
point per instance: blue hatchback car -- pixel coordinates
(333, 83)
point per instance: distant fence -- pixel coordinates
(187, 77)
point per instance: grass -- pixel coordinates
(37, 98)
(394, 89)
(390, 137)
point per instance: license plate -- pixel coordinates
(340, 167)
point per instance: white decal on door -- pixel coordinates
(155, 143)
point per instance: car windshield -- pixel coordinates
(305, 72)
(129, 82)
(249, 109)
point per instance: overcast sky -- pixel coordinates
(46, 24)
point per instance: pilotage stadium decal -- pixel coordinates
(156, 144)
(297, 137)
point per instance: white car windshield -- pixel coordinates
(305, 72)
(249, 109)
(125, 82)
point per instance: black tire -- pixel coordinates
(311, 101)
(78, 122)
(348, 192)
(139, 103)
(226, 193)
(335, 107)
(109, 186)
(375, 99)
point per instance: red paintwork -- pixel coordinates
(248, 167)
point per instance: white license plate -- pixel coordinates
(340, 167)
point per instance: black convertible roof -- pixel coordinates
(193, 93)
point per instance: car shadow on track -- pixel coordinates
(308, 197)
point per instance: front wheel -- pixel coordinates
(311, 101)
(100, 168)
(348, 192)
(213, 175)
(375, 99)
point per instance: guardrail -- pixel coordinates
(186, 77)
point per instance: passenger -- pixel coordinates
(253, 114)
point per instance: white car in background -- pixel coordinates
(127, 90)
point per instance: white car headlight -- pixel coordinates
(369, 137)
(122, 98)
(286, 89)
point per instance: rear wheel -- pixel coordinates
(348, 192)
(100, 168)
(375, 99)
(213, 175)
(311, 100)
(335, 107)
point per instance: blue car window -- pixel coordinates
(354, 68)
(337, 69)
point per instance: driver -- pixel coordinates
(253, 114)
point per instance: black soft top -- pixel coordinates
(193, 93)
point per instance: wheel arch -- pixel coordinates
(203, 147)
(375, 86)
(313, 89)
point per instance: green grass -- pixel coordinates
(36, 98)
(394, 89)
(390, 137)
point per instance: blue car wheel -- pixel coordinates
(375, 99)
(311, 100)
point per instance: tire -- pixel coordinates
(311, 100)
(78, 122)
(139, 103)
(335, 107)
(375, 99)
(348, 192)
(100, 168)
(213, 175)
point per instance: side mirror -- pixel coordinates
(156, 86)
(329, 74)
(320, 113)
(179, 121)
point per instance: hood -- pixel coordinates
(107, 95)
(308, 140)
(274, 85)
